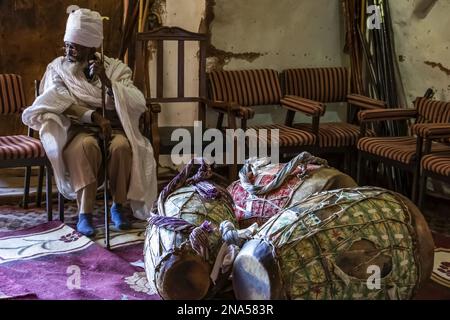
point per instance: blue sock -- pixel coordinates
(118, 217)
(84, 225)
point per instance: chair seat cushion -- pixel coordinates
(20, 147)
(338, 134)
(401, 149)
(288, 137)
(437, 163)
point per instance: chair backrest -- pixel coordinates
(246, 87)
(432, 111)
(318, 84)
(12, 97)
(159, 37)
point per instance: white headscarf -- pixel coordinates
(84, 27)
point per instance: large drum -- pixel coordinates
(183, 237)
(264, 189)
(362, 243)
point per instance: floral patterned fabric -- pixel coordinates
(309, 238)
(300, 184)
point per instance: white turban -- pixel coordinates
(84, 27)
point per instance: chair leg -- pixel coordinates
(61, 206)
(39, 187)
(422, 190)
(48, 193)
(415, 185)
(26, 191)
(347, 163)
(390, 180)
(359, 169)
(353, 164)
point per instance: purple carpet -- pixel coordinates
(54, 262)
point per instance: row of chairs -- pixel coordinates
(423, 152)
(308, 90)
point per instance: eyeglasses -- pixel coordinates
(73, 48)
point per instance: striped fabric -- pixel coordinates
(388, 114)
(12, 97)
(319, 84)
(437, 163)
(365, 102)
(20, 147)
(336, 134)
(246, 87)
(401, 149)
(426, 130)
(432, 111)
(303, 105)
(289, 137)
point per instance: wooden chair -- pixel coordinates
(433, 165)
(159, 37)
(402, 152)
(23, 150)
(328, 85)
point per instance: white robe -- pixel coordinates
(59, 90)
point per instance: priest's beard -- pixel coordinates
(76, 68)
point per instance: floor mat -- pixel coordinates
(53, 261)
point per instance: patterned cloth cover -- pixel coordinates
(265, 189)
(310, 239)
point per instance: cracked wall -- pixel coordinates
(276, 34)
(423, 47)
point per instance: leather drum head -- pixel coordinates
(256, 275)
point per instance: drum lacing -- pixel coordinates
(207, 190)
(198, 237)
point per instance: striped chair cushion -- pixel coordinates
(432, 111)
(20, 147)
(288, 137)
(437, 163)
(319, 84)
(246, 87)
(12, 97)
(335, 134)
(401, 149)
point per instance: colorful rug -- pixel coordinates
(441, 269)
(54, 262)
(121, 270)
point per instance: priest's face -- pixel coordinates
(77, 53)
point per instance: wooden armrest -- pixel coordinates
(154, 107)
(431, 130)
(364, 102)
(306, 106)
(224, 105)
(386, 114)
(238, 110)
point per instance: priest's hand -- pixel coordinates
(104, 125)
(96, 68)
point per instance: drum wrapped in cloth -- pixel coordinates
(362, 243)
(264, 189)
(183, 237)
